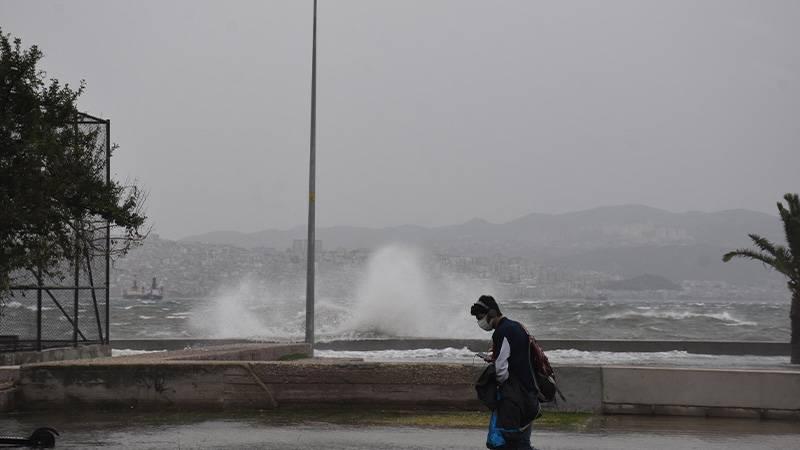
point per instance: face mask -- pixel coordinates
(485, 326)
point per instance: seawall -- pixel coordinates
(55, 354)
(607, 345)
(591, 345)
(240, 376)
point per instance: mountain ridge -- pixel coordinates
(625, 240)
(606, 226)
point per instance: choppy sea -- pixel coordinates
(713, 320)
(251, 316)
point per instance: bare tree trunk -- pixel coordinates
(794, 316)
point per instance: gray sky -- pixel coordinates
(433, 112)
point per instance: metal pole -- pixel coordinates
(39, 309)
(77, 283)
(77, 263)
(311, 191)
(94, 295)
(108, 237)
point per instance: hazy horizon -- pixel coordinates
(432, 113)
(303, 225)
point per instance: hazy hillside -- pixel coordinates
(626, 240)
(615, 226)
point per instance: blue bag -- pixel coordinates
(498, 437)
(495, 439)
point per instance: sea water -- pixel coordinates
(397, 297)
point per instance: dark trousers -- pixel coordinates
(524, 443)
(520, 441)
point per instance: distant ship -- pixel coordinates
(141, 293)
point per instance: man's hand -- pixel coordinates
(484, 356)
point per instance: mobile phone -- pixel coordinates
(483, 356)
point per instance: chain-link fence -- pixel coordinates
(44, 312)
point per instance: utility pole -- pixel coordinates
(312, 191)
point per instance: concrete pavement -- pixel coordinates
(149, 431)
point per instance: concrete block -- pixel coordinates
(693, 411)
(56, 354)
(214, 384)
(582, 387)
(738, 413)
(758, 389)
(43, 387)
(623, 408)
(9, 374)
(780, 414)
(8, 399)
(673, 410)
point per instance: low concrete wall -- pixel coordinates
(8, 398)
(754, 348)
(9, 375)
(55, 354)
(480, 345)
(232, 377)
(172, 344)
(238, 352)
(753, 393)
(608, 345)
(582, 387)
(204, 377)
(215, 384)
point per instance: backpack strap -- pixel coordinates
(531, 340)
(530, 363)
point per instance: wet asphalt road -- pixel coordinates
(616, 432)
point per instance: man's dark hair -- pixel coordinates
(484, 304)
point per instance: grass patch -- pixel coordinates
(411, 418)
(347, 415)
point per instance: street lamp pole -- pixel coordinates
(312, 191)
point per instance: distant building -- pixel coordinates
(300, 246)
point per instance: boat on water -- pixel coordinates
(141, 293)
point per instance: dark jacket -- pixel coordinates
(516, 405)
(486, 388)
(511, 353)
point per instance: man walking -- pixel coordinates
(518, 404)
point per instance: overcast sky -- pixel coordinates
(433, 112)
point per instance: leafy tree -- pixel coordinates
(784, 259)
(54, 199)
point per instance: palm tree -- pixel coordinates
(785, 260)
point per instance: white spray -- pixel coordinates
(243, 311)
(400, 296)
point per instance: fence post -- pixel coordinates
(77, 294)
(39, 309)
(108, 238)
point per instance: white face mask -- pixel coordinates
(484, 324)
